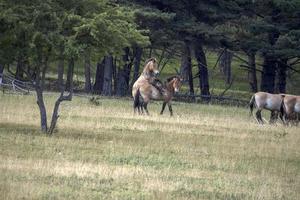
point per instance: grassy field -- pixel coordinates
(106, 152)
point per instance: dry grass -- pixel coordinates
(106, 152)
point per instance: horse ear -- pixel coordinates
(150, 59)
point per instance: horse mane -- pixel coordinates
(149, 60)
(172, 77)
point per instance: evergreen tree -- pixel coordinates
(35, 33)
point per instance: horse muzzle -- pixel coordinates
(156, 73)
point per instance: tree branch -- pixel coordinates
(228, 87)
(288, 66)
(297, 61)
(249, 68)
(219, 58)
(245, 61)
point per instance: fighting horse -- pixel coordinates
(158, 91)
(149, 73)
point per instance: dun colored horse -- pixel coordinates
(157, 90)
(149, 72)
(290, 109)
(264, 100)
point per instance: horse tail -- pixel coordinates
(282, 110)
(251, 104)
(136, 99)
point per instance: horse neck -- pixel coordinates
(146, 69)
(146, 75)
(146, 72)
(170, 87)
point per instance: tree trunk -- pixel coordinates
(62, 97)
(268, 75)
(60, 71)
(20, 68)
(225, 65)
(107, 81)
(42, 108)
(252, 72)
(68, 82)
(269, 67)
(98, 85)
(281, 77)
(115, 75)
(124, 75)
(39, 82)
(186, 67)
(87, 72)
(203, 72)
(138, 51)
(1, 73)
(1, 69)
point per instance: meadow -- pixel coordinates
(106, 152)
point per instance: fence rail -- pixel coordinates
(16, 85)
(211, 98)
(26, 87)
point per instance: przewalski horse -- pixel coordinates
(264, 100)
(290, 109)
(150, 71)
(158, 91)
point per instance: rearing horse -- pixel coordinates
(150, 71)
(158, 91)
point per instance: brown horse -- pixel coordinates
(150, 71)
(264, 100)
(290, 109)
(157, 91)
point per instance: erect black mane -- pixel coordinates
(150, 59)
(171, 78)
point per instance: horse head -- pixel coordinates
(176, 82)
(151, 67)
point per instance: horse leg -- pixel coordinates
(135, 107)
(284, 117)
(281, 116)
(140, 108)
(273, 117)
(297, 118)
(170, 109)
(146, 109)
(288, 116)
(163, 108)
(258, 117)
